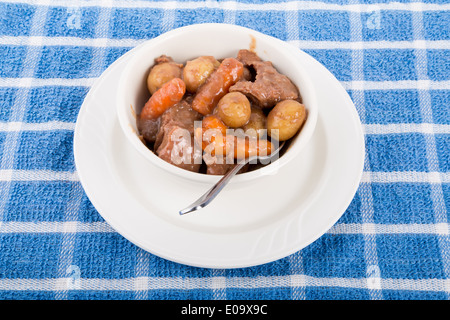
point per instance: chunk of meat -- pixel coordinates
(181, 115)
(148, 128)
(174, 141)
(269, 86)
(218, 168)
(247, 57)
(177, 148)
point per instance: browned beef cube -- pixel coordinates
(269, 86)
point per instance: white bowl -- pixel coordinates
(220, 41)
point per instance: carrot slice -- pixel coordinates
(165, 97)
(217, 85)
(246, 149)
(210, 122)
(243, 148)
(221, 145)
(214, 122)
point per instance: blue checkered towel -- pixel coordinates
(391, 243)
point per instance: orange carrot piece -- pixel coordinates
(165, 97)
(210, 122)
(217, 85)
(222, 144)
(261, 147)
(214, 122)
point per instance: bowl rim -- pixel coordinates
(269, 169)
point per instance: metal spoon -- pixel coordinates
(204, 200)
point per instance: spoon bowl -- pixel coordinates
(209, 196)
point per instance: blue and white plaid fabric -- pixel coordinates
(391, 243)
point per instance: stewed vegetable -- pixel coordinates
(218, 84)
(285, 119)
(234, 109)
(197, 71)
(256, 124)
(162, 73)
(208, 108)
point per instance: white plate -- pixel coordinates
(247, 224)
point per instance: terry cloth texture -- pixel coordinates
(392, 242)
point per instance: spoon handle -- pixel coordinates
(214, 191)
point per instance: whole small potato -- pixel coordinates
(197, 71)
(287, 117)
(256, 123)
(234, 109)
(162, 73)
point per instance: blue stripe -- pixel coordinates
(402, 203)
(28, 256)
(397, 152)
(337, 61)
(87, 212)
(330, 293)
(21, 205)
(391, 26)
(11, 58)
(319, 25)
(436, 25)
(55, 104)
(200, 15)
(446, 192)
(439, 65)
(65, 62)
(72, 22)
(276, 268)
(282, 293)
(335, 256)
(353, 212)
(389, 65)
(276, 25)
(102, 248)
(439, 104)
(442, 148)
(15, 19)
(136, 23)
(7, 96)
(410, 257)
(394, 106)
(413, 295)
(45, 150)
